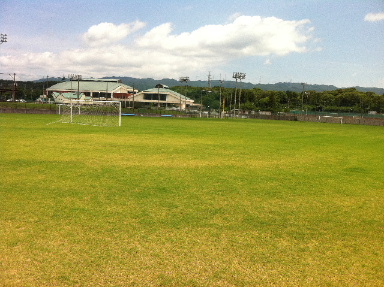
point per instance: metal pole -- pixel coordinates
(78, 87)
(133, 97)
(238, 76)
(71, 111)
(184, 80)
(302, 97)
(14, 87)
(220, 100)
(234, 105)
(201, 101)
(119, 114)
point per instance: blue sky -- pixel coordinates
(338, 42)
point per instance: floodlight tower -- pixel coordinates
(184, 80)
(14, 87)
(77, 78)
(238, 76)
(3, 38)
(133, 96)
(235, 76)
(209, 80)
(220, 100)
(158, 86)
(242, 77)
(302, 97)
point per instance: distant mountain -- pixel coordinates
(148, 83)
(378, 91)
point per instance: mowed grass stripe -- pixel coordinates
(190, 202)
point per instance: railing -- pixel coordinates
(365, 119)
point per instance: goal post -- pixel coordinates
(331, 119)
(96, 113)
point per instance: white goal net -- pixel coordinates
(96, 113)
(331, 119)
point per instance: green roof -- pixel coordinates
(84, 86)
(166, 91)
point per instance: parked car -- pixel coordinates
(17, 100)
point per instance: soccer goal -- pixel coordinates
(330, 119)
(96, 113)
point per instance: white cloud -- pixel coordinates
(234, 16)
(107, 33)
(374, 17)
(245, 36)
(161, 53)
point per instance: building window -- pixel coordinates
(155, 97)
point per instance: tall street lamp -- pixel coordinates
(158, 86)
(14, 87)
(238, 76)
(201, 101)
(184, 80)
(302, 97)
(220, 99)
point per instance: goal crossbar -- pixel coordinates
(331, 119)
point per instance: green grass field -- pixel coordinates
(190, 202)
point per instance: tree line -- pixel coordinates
(27, 90)
(255, 99)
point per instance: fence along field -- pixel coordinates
(190, 202)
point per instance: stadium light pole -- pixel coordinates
(14, 87)
(220, 100)
(242, 77)
(302, 97)
(133, 97)
(238, 76)
(184, 80)
(201, 101)
(3, 38)
(77, 78)
(158, 86)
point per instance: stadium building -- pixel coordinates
(94, 89)
(115, 90)
(162, 96)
